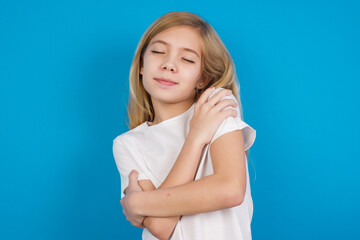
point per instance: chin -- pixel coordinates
(168, 100)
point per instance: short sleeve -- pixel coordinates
(127, 159)
(231, 124)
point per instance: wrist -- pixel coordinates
(136, 200)
(194, 141)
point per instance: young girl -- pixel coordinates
(188, 142)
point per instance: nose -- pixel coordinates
(168, 65)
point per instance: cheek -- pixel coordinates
(150, 60)
(149, 65)
(193, 73)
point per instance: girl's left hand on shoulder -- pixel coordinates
(127, 202)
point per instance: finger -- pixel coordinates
(137, 224)
(223, 104)
(134, 222)
(219, 96)
(205, 95)
(228, 113)
(133, 176)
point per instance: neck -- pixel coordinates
(164, 111)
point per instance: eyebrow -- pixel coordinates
(185, 49)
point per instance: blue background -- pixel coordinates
(64, 69)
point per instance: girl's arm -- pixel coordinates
(223, 189)
(182, 172)
(185, 167)
(208, 115)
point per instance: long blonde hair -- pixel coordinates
(217, 65)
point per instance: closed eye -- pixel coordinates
(157, 52)
(188, 60)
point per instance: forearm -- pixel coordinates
(207, 194)
(184, 169)
(182, 172)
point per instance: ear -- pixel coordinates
(141, 70)
(202, 83)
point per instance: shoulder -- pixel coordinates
(127, 145)
(231, 96)
(131, 135)
(215, 91)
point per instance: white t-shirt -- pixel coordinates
(153, 150)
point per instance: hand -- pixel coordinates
(209, 114)
(127, 202)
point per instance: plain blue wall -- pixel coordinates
(64, 87)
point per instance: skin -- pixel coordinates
(223, 189)
(169, 59)
(160, 209)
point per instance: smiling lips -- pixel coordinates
(166, 82)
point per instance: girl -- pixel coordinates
(188, 142)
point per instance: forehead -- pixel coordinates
(179, 37)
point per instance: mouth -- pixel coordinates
(166, 82)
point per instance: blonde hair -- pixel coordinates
(217, 65)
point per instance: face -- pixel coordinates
(172, 65)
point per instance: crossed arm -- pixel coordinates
(181, 195)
